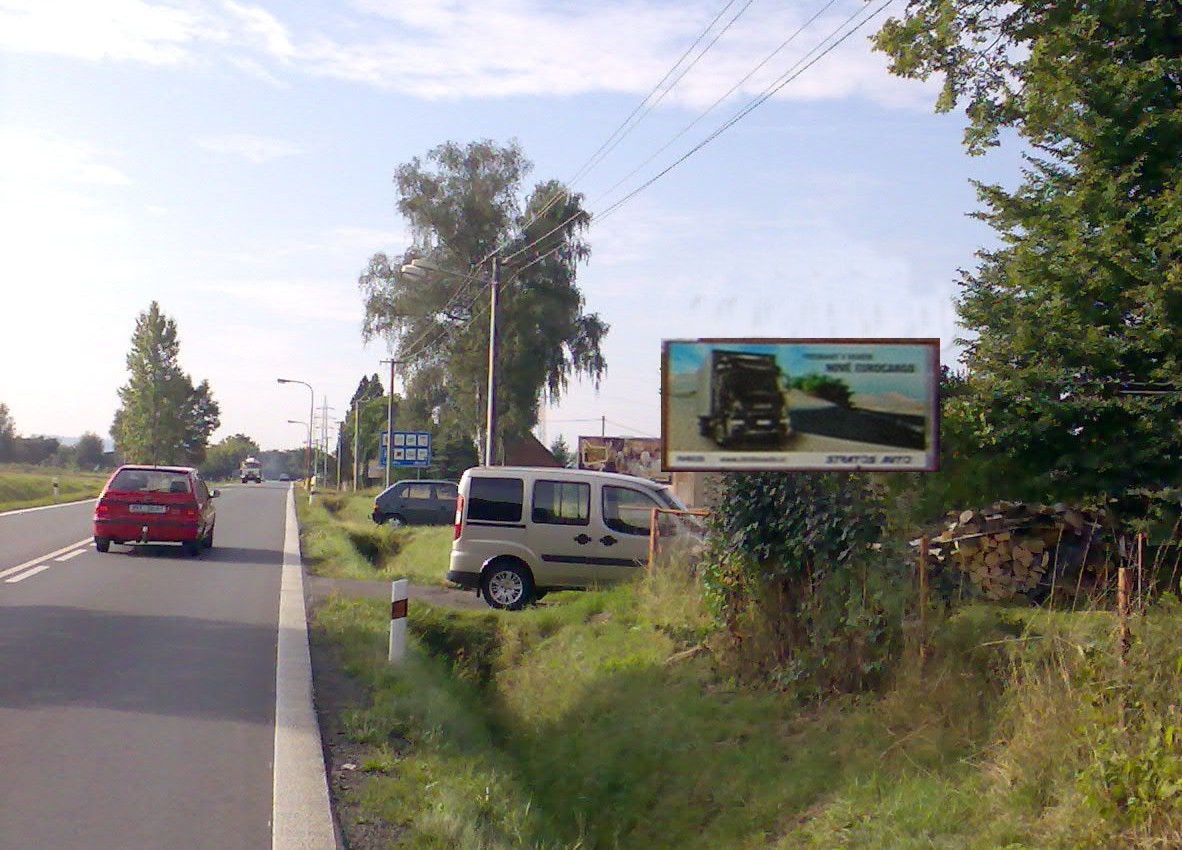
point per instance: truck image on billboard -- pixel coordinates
(800, 404)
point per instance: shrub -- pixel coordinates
(792, 571)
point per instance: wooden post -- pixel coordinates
(652, 537)
(1122, 610)
(923, 597)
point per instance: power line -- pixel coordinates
(786, 78)
(794, 72)
(637, 114)
(755, 70)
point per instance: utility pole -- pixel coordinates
(389, 419)
(491, 423)
(356, 418)
(340, 425)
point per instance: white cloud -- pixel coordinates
(33, 158)
(262, 24)
(256, 149)
(124, 30)
(452, 49)
(279, 300)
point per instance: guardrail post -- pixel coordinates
(398, 610)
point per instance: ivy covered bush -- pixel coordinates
(796, 573)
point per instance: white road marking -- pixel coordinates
(40, 569)
(11, 570)
(301, 815)
(46, 507)
(70, 555)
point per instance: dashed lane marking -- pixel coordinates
(35, 561)
(39, 569)
(70, 555)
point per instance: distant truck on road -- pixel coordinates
(741, 398)
(251, 470)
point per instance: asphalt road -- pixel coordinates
(137, 688)
(818, 426)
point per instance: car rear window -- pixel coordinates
(561, 503)
(149, 480)
(495, 499)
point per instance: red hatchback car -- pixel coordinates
(155, 504)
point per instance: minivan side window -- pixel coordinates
(627, 511)
(417, 491)
(495, 499)
(562, 503)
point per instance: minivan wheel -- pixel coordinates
(102, 544)
(396, 521)
(507, 585)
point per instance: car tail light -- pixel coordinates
(459, 516)
(189, 512)
(103, 509)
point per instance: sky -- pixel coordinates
(234, 161)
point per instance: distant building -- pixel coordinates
(528, 451)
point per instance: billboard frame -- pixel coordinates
(860, 456)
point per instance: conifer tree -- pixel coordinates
(163, 418)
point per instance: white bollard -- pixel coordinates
(398, 606)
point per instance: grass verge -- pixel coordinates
(28, 489)
(586, 723)
(339, 540)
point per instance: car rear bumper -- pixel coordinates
(148, 531)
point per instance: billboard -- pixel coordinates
(631, 455)
(800, 404)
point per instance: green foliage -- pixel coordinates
(225, 457)
(26, 489)
(1080, 303)
(824, 387)
(7, 433)
(792, 572)
(163, 418)
(563, 453)
(90, 452)
(463, 203)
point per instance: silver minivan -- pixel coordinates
(523, 531)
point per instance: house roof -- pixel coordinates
(528, 451)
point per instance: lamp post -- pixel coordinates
(389, 419)
(417, 268)
(308, 427)
(311, 416)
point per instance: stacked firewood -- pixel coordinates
(1010, 548)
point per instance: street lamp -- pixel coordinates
(419, 268)
(306, 425)
(311, 416)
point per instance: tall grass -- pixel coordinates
(598, 720)
(26, 489)
(340, 540)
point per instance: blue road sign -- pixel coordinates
(411, 448)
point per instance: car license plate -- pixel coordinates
(147, 509)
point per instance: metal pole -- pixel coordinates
(356, 418)
(491, 422)
(339, 426)
(389, 420)
(308, 453)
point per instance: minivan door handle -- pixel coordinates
(608, 540)
(582, 539)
